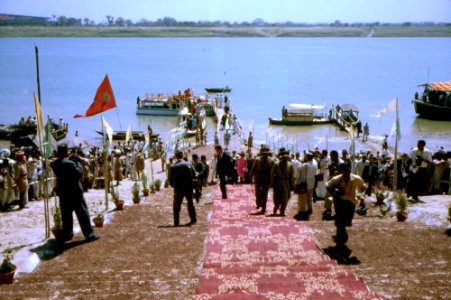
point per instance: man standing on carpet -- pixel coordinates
(261, 175)
(70, 192)
(343, 188)
(181, 179)
(282, 181)
(223, 169)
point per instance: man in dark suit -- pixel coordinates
(370, 174)
(70, 192)
(181, 179)
(199, 176)
(403, 169)
(223, 169)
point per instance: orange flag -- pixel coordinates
(104, 100)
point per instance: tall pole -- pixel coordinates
(105, 166)
(395, 158)
(37, 73)
(46, 201)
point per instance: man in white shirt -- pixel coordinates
(422, 174)
(307, 174)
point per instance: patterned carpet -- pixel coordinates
(258, 257)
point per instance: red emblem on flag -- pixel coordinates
(103, 100)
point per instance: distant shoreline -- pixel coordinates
(157, 32)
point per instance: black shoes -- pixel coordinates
(92, 238)
(191, 223)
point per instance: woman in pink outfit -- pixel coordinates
(241, 166)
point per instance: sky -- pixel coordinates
(306, 11)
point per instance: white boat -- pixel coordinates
(302, 114)
(162, 105)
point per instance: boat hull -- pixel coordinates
(137, 135)
(299, 122)
(432, 111)
(157, 112)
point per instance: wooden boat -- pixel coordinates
(347, 115)
(159, 105)
(218, 90)
(16, 132)
(435, 101)
(137, 135)
(297, 114)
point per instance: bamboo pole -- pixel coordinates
(395, 156)
(105, 166)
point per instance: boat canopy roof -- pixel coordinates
(444, 86)
(300, 106)
(349, 107)
(184, 112)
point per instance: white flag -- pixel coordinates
(391, 107)
(128, 134)
(108, 129)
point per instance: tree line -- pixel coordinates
(111, 21)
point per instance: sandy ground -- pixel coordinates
(408, 260)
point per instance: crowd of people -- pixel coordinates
(22, 170)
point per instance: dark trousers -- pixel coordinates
(281, 197)
(370, 185)
(68, 206)
(261, 195)
(344, 213)
(222, 185)
(177, 204)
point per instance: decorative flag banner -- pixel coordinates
(38, 111)
(391, 107)
(108, 129)
(103, 100)
(128, 134)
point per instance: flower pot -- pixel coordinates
(146, 193)
(119, 204)
(401, 216)
(380, 200)
(8, 278)
(157, 188)
(57, 232)
(136, 200)
(98, 223)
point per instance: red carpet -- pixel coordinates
(258, 257)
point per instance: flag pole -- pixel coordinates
(105, 166)
(46, 202)
(395, 156)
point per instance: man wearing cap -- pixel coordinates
(181, 179)
(69, 190)
(343, 188)
(261, 175)
(282, 181)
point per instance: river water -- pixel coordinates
(264, 73)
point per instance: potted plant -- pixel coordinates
(98, 220)
(166, 183)
(57, 228)
(118, 202)
(157, 184)
(135, 193)
(145, 183)
(401, 206)
(381, 194)
(7, 268)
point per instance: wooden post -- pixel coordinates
(395, 155)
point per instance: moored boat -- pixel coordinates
(296, 114)
(136, 135)
(218, 90)
(435, 101)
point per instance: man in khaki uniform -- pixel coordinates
(282, 181)
(21, 179)
(261, 175)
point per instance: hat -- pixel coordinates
(264, 149)
(284, 153)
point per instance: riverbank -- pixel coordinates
(393, 31)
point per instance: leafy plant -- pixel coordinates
(7, 265)
(99, 217)
(57, 217)
(152, 188)
(135, 190)
(157, 182)
(166, 183)
(145, 181)
(114, 194)
(401, 202)
(381, 192)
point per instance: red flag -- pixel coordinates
(104, 99)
